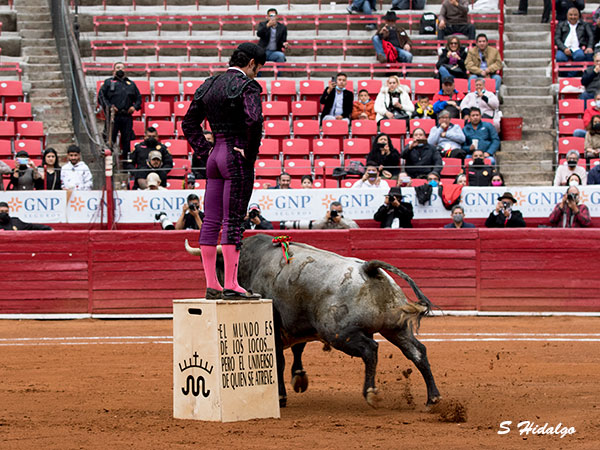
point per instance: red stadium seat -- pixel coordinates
(262, 182)
(180, 110)
(327, 164)
(305, 110)
(264, 94)
(295, 183)
(364, 128)
(165, 128)
(268, 168)
(462, 85)
(311, 90)
(269, 148)
(570, 108)
(279, 129)
(18, 111)
(356, 146)
(181, 167)
(568, 126)
(166, 91)
(329, 183)
(31, 146)
(459, 122)
(177, 147)
(296, 148)
(144, 88)
(326, 148)
(30, 129)
(275, 110)
(428, 86)
(452, 167)
(138, 128)
(11, 91)
(297, 167)
(570, 143)
(306, 129)
(157, 110)
(283, 90)
(393, 127)
(570, 86)
(416, 182)
(426, 124)
(189, 89)
(5, 149)
(7, 129)
(372, 86)
(335, 129)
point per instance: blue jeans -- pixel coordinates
(275, 56)
(364, 6)
(403, 55)
(579, 133)
(496, 78)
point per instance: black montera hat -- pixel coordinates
(395, 191)
(253, 51)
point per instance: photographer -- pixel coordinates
(371, 178)
(334, 219)
(254, 220)
(16, 224)
(569, 213)
(504, 216)
(191, 217)
(394, 213)
(25, 176)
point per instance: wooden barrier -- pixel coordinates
(129, 272)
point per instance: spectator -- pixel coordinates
(140, 157)
(423, 108)
(398, 5)
(273, 37)
(447, 137)
(504, 216)
(453, 19)
(199, 166)
(404, 179)
(485, 101)
(574, 39)
(596, 26)
(254, 220)
(362, 6)
(191, 216)
(334, 219)
(393, 101)
(283, 181)
(458, 218)
(497, 180)
(121, 97)
(153, 182)
(385, 156)
(363, 108)
(155, 164)
(433, 179)
(14, 223)
(574, 180)
(4, 170)
(569, 167)
(461, 179)
(394, 213)
(25, 176)
(483, 61)
(570, 213)
(420, 157)
(591, 80)
(480, 135)
(480, 173)
(448, 98)
(50, 171)
(451, 62)
(592, 138)
(307, 182)
(371, 178)
(391, 42)
(75, 175)
(594, 175)
(337, 101)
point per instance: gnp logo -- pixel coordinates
(265, 203)
(77, 203)
(327, 200)
(15, 204)
(140, 204)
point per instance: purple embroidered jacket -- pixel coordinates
(231, 103)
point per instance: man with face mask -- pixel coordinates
(139, 157)
(479, 173)
(371, 178)
(458, 217)
(568, 168)
(16, 224)
(120, 96)
(569, 212)
(231, 103)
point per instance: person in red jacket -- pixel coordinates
(448, 98)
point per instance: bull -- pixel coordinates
(341, 301)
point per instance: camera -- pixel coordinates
(164, 221)
(333, 214)
(571, 197)
(253, 214)
(192, 206)
(506, 205)
(23, 162)
(295, 224)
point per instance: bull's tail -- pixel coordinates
(413, 311)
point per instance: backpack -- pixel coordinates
(427, 24)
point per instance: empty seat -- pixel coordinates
(297, 167)
(335, 129)
(283, 90)
(364, 128)
(269, 148)
(5, 149)
(189, 89)
(426, 124)
(30, 129)
(372, 86)
(278, 129)
(306, 128)
(31, 146)
(326, 148)
(268, 168)
(570, 108)
(451, 167)
(295, 148)
(427, 86)
(166, 91)
(327, 165)
(356, 146)
(568, 126)
(275, 110)
(157, 110)
(11, 91)
(180, 110)
(305, 109)
(570, 143)
(393, 127)
(138, 128)
(311, 90)
(7, 129)
(177, 147)
(165, 128)
(18, 111)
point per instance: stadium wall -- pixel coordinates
(141, 272)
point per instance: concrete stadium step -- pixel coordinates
(534, 81)
(518, 27)
(39, 34)
(47, 84)
(518, 90)
(527, 100)
(527, 53)
(530, 112)
(527, 62)
(527, 37)
(34, 25)
(39, 51)
(49, 60)
(541, 44)
(530, 3)
(532, 10)
(35, 73)
(535, 178)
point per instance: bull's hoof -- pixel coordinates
(434, 400)
(300, 381)
(373, 398)
(282, 401)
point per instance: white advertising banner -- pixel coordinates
(277, 205)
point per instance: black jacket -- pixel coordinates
(585, 35)
(327, 100)
(457, 71)
(480, 175)
(422, 160)
(499, 221)
(17, 224)
(121, 93)
(264, 35)
(391, 161)
(387, 213)
(140, 153)
(591, 80)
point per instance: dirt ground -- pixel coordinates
(117, 393)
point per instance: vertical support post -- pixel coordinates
(553, 54)
(108, 174)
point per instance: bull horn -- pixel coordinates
(219, 250)
(191, 250)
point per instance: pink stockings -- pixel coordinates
(231, 258)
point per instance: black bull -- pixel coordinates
(341, 301)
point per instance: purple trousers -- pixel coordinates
(230, 180)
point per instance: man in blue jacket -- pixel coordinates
(480, 135)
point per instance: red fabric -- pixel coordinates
(390, 51)
(590, 112)
(456, 96)
(450, 194)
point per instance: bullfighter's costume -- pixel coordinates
(231, 103)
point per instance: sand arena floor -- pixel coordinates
(94, 384)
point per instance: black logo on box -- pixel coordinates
(195, 384)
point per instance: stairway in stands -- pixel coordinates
(528, 94)
(41, 70)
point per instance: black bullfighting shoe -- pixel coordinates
(230, 294)
(213, 294)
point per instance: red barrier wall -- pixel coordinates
(142, 271)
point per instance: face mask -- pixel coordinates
(573, 183)
(597, 126)
(496, 183)
(433, 183)
(478, 161)
(372, 174)
(4, 217)
(458, 218)
(120, 74)
(337, 88)
(572, 164)
(151, 142)
(364, 102)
